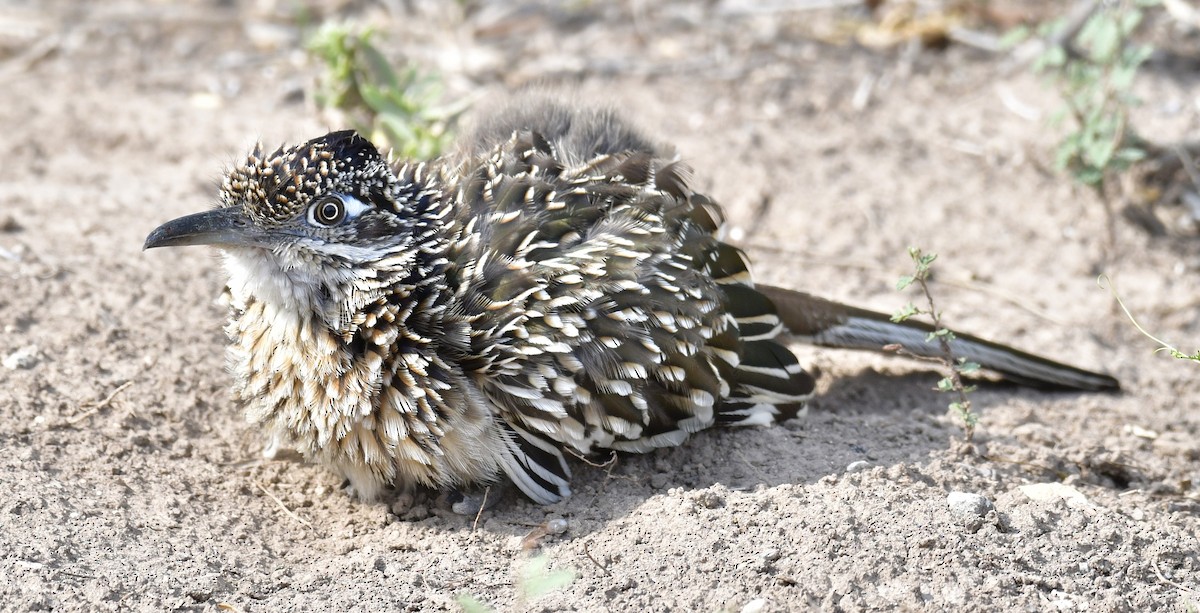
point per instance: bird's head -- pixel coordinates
(304, 226)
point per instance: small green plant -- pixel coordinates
(1095, 71)
(535, 579)
(1094, 63)
(1162, 345)
(952, 383)
(1091, 58)
(396, 109)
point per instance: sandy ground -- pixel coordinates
(128, 480)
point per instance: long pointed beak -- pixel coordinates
(224, 226)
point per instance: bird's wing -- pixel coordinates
(607, 315)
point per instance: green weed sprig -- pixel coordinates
(1094, 64)
(952, 383)
(399, 109)
(1095, 70)
(535, 579)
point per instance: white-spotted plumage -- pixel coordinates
(537, 297)
(555, 287)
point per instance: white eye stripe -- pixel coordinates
(354, 206)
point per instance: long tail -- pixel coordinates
(831, 324)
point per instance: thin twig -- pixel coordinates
(482, 505)
(899, 350)
(531, 540)
(1028, 52)
(77, 575)
(761, 475)
(1058, 474)
(996, 292)
(1076, 18)
(1158, 573)
(34, 54)
(759, 7)
(1118, 140)
(1189, 165)
(612, 459)
(279, 502)
(1163, 345)
(814, 258)
(1015, 105)
(588, 553)
(608, 466)
(94, 408)
(976, 38)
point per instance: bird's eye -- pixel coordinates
(328, 212)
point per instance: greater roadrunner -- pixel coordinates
(554, 286)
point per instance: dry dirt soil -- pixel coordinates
(128, 480)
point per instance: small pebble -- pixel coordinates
(403, 504)
(857, 466)
(712, 500)
(1053, 492)
(658, 481)
(968, 506)
(200, 595)
(417, 513)
(1141, 432)
(25, 357)
(755, 606)
(556, 526)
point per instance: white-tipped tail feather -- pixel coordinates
(830, 324)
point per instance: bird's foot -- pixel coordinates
(472, 502)
(278, 449)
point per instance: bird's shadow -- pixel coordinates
(880, 418)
